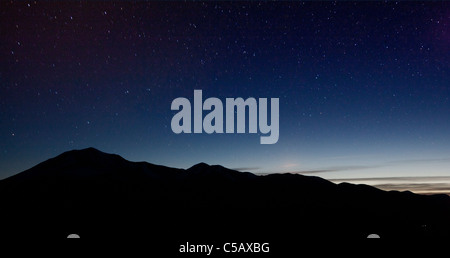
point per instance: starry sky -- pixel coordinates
(363, 86)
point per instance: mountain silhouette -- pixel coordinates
(103, 196)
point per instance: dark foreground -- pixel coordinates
(103, 197)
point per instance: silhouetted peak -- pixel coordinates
(201, 165)
(90, 153)
(84, 162)
(90, 150)
(217, 172)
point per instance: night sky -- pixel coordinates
(363, 87)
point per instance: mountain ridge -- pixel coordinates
(88, 191)
(91, 155)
